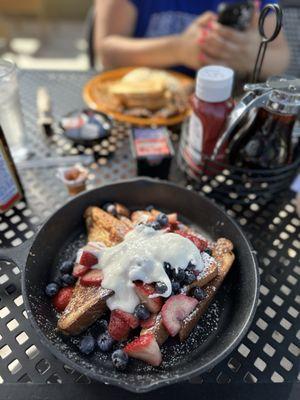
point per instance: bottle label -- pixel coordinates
(195, 137)
(9, 191)
(151, 142)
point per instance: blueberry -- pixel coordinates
(160, 287)
(149, 208)
(155, 225)
(110, 208)
(51, 289)
(168, 269)
(103, 324)
(141, 312)
(178, 275)
(87, 344)
(119, 359)
(175, 287)
(162, 219)
(208, 251)
(66, 267)
(105, 342)
(190, 266)
(58, 281)
(189, 277)
(199, 293)
(68, 280)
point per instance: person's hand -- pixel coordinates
(226, 46)
(188, 48)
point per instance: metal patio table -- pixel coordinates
(266, 363)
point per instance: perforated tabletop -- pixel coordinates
(268, 354)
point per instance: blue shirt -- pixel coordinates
(156, 18)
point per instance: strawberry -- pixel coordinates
(80, 270)
(62, 298)
(130, 319)
(87, 259)
(118, 328)
(201, 244)
(92, 278)
(175, 309)
(143, 291)
(149, 322)
(145, 348)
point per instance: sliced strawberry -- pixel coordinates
(130, 319)
(200, 243)
(154, 305)
(145, 348)
(148, 323)
(173, 218)
(175, 309)
(80, 270)
(62, 298)
(88, 259)
(93, 277)
(118, 328)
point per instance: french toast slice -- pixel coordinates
(103, 227)
(223, 254)
(158, 330)
(89, 303)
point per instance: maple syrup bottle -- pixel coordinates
(11, 190)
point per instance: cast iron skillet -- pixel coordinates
(218, 332)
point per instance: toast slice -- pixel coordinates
(223, 254)
(89, 303)
(158, 330)
(103, 227)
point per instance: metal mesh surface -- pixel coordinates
(269, 351)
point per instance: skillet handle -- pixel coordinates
(18, 255)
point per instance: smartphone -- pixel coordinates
(236, 15)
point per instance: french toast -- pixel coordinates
(87, 304)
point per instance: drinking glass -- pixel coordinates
(11, 119)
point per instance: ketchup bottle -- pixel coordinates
(211, 105)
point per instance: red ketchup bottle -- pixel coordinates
(211, 106)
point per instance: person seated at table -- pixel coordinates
(186, 33)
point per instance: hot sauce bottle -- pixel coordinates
(211, 106)
(11, 190)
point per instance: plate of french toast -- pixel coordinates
(141, 96)
(140, 284)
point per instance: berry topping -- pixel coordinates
(110, 208)
(118, 328)
(149, 208)
(105, 342)
(148, 322)
(172, 218)
(68, 280)
(145, 348)
(175, 309)
(141, 312)
(160, 287)
(175, 287)
(51, 289)
(189, 277)
(130, 319)
(80, 270)
(66, 267)
(178, 275)
(92, 278)
(208, 251)
(62, 298)
(201, 244)
(162, 219)
(88, 259)
(103, 324)
(119, 359)
(154, 225)
(199, 293)
(143, 291)
(87, 344)
(168, 269)
(191, 266)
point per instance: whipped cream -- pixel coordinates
(141, 256)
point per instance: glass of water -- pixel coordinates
(10, 111)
